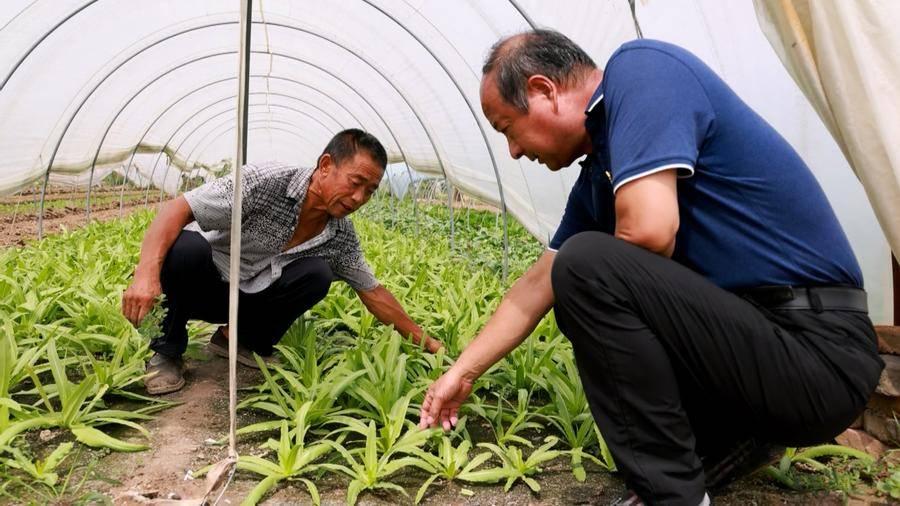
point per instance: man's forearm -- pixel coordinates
(384, 306)
(161, 234)
(530, 298)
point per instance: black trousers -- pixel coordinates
(676, 368)
(195, 290)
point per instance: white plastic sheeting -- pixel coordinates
(119, 76)
(846, 58)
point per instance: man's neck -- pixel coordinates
(314, 206)
(590, 85)
(585, 93)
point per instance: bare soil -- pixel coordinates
(31, 198)
(24, 228)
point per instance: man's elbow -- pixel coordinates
(660, 240)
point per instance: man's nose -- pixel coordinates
(515, 150)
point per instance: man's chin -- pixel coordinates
(551, 166)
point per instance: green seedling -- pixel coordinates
(295, 459)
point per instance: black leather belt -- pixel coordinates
(817, 298)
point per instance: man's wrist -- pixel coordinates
(464, 371)
(147, 269)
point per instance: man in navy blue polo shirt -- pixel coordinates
(713, 302)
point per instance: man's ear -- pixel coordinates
(326, 164)
(541, 87)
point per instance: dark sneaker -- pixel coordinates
(745, 458)
(218, 344)
(164, 375)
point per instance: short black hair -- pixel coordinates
(346, 143)
(546, 52)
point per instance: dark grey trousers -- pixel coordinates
(675, 368)
(195, 290)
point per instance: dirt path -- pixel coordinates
(182, 439)
(30, 198)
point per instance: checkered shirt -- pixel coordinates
(273, 195)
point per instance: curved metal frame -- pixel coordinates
(487, 144)
(277, 106)
(480, 129)
(112, 122)
(225, 23)
(211, 140)
(146, 195)
(342, 81)
(180, 144)
(38, 42)
(167, 109)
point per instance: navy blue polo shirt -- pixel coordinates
(751, 212)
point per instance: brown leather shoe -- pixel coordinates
(218, 344)
(165, 374)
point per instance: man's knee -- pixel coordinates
(320, 277)
(582, 256)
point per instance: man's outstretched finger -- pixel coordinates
(143, 309)
(434, 411)
(129, 310)
(423, 413)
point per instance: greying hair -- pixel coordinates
(346, 143)
(546, 52)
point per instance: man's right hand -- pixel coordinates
(140, 297)
(443, 399)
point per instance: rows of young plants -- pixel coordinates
(69, 362)
(23, 209)
(343, 403)
(345, 399)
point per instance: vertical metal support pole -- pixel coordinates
(40, 205)
(450, 207)
(235, 248)
(87, 203)
(150, 180)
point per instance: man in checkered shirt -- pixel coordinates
(296, 239)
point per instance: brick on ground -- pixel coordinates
(861, 441)
(888, 339)
(889, 384)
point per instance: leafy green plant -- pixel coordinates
(890, 486)
(372, 468)
(783, 471)
(42, 479)
(451, 463)
(295, 459)
(285, 400)
(571, 417)
(385, 381)
(515, 466)
(41, 471)
(507, 426)
(78, 410)
(522, 368)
